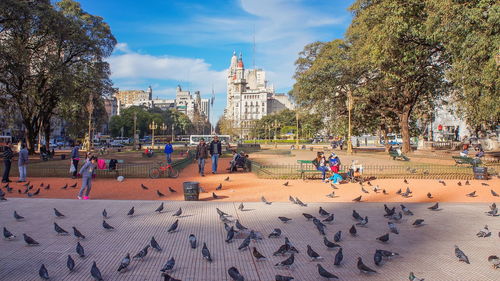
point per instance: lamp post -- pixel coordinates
(153, 126)
(276, 125)
(135, 130)
(349, 109)
(297, 134)
(164, 128)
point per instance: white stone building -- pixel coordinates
(250, 97)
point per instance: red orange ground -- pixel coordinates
(248, 187)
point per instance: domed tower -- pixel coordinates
(150, 92)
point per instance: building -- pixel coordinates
(250, 97)
(134, 97)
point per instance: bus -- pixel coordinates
(195, 139)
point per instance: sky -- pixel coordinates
(165, 43)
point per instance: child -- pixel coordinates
(87, 172)
(336, 178)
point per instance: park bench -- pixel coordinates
(117, 169)
(307, 167)
(395, 155)
(466, 160)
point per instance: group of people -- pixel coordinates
(332, 164)
(202, 151)
(479, 151)
(87, 171)
(22, 162)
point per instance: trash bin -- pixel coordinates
(191, 190)
(63, 156)
(480, 173)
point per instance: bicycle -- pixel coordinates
(171, 172)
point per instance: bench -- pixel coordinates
(305, 168)
(395, 156)
(466, 160)
(117, 169)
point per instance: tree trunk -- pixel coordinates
(46, 130)
(386, 139)
(30, 136)
(405, 129)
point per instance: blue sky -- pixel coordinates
(164, 43)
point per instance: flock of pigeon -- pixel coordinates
(236, 230)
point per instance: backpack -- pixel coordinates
(112, 164)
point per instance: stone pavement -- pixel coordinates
(428, 251)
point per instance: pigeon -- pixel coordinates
(47, 187)
(412, 277)
(443, 182)
(406, 211)
(363, 222)
(206, 253)
(30, 241)
(124, 263)
(283, 278)
(192, 241)
(339, 256)
(494, 193)
(171, 189)
(459, 183)
(472, 194)
(397, 217)
(434, 207)
(364, 190)
(159, 193)
(239, 225)
(95, 272)
(321, 228)
(235, 274)
(377, 258)
(325, 274)
(167, 277)
(178, 213)
(493, 212)
(79, 250)
(384, 238)
(429, 195)
(495, 261)
(77, 233)
(287, 262)
(59, 229)
(399, 191)
(467, 182)
(307, 216)
(142, 253)
(144, 187)
(392, 227)
(230, 235)
(312, 254)
(36, 192)
(214, 196)
(155, 244)
(7, 234)
(376, 189)
(160, 208)
(58, 214)
(329, 244)
(357, 199)
(329, 219)
(285, 184)
(241, 207)
(224, 219)
(173, 227)
(353, 230)
(65, 186)
(338, 236)
(485, 232)
(356, 215)
(104, 214)
(363, 268)
(17, 216)
(484, 184)
(292, 200)
(226, 179)
(284, 219)
(221, 213)
(333, 186)
(219, 187)
(299, 202)
(387, 254)
(169, 265)
(44, 274)
(258, 255)
(27, 184)
(461, 255)
(418, 222)
(322, 212)
(275, 234)
(131, 212)
(70, 263)
(263, 199)
(331, 195)
(245, 243)
(405, 181)
(283, 249)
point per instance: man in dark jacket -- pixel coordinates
(215, 152)
(7, 161)
(201, 155)
(75, 157)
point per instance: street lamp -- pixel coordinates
(297, 134)
(153, 126)
(276, 125)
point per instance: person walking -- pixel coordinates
(169, 149)
(75, 158)
(7, 161)
(215, 152)
(87, 171)
(201, 155)
(22, 163)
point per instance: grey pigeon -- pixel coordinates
(339, 256)
(357, 199)
(124, 263)
(17, 216)
(393, 228)
(245, 243)
(283, 249)
(337, 236)
(287, 262)
(171, 189)
(230, 235)
(57, 213)
(173, 227)
(412, 277)
(167, 277)
(241, 207)
(104, 214)
(284, 219)
(312, 254)
(206, 253)
(95, 272)
(169, 265)
(418, 222)
(131, 212)
(384, 238)
(329, 219)
(364, 190)
(258, 255)
(353, 230)
(286, 184)
(226, 179)
(323, 213)
(406, 211)
(283, 278)
(107, 225)
(77, 233)
(485, 232)
(155, 244)
(363, 268)
(79, 250)
(73, 185)
(325, 274)
(159, 193)
(377, 258)
(263, 199)
(178, 213)
(495, 261)
(275, 234)
(65, 186)
(494, 193)
(387, 254)
(44, 274)
(219, 187)
(70, 263)
(363, 222)
(331, 195)
(434, 207)
(144, 187)
(239, 225)
(329, 244)
(30, 241)
(142, 253)
(461, 255)
(356, 215)
(192, 241)
(472, 194)
(7, 234)
(235, 274)
(307, 216)
(160, 208)
(292, 200)
(59, 229)
(221, 213)
(300, 202)
(215, 196)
